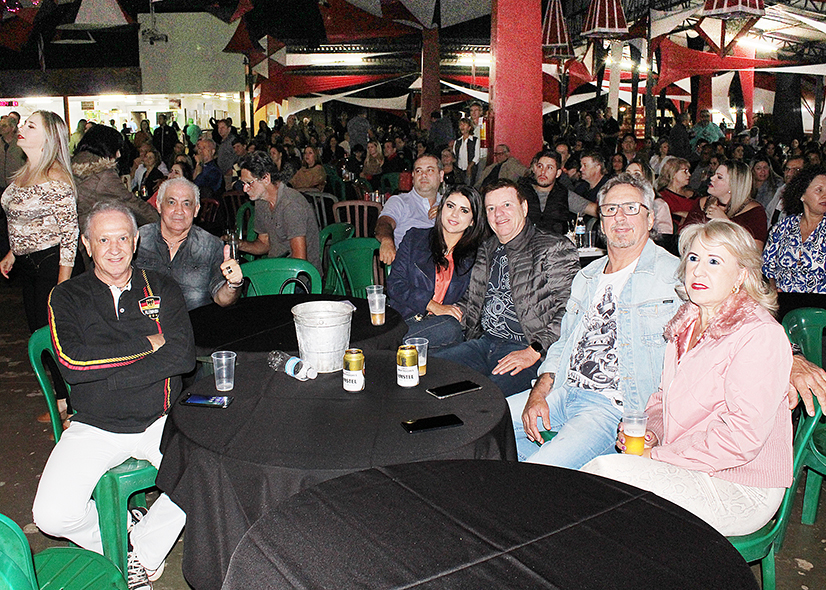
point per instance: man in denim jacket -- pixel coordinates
(609, 355)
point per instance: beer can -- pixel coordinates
(353, 369)
(407, 366)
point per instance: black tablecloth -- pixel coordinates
(259, 324)
(226, 467)
(482, 525)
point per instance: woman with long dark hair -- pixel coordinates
(432, 267)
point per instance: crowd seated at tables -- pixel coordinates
(490, 276)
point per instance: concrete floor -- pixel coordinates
(801, 565)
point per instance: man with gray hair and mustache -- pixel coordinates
(198, 261)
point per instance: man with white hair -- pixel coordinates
(123, 339)
(197, 260)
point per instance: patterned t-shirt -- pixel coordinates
(594, 361)
(499, 317)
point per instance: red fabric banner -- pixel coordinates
(282, 85)
(679, 62)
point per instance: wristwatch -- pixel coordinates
(537, 347)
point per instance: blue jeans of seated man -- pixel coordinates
(440, 330)
(586, 422)
(483, 354)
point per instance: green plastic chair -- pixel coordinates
(64, 568)
(356, 261)
(113, 491)
(761, 545)
(244, 224)
(390, 183)
(332, 234)
(335, 183)
(268, 275)
(804, 327)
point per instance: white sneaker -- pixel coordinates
(154, 575)
(136, 578)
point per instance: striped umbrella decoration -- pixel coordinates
(555, 39)
(729, 9)
(605, 20)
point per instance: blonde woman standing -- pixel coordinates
(42, 212)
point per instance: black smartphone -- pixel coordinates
(432, 423)
(451, 389)
(207, 401)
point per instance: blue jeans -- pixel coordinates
(586, 423)
(483, 354)
(440, 330)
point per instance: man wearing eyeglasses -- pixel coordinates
(504, 166)
(609, 355)
(284, 220)
(774, 208)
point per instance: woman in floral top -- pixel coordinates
(42, 213)
(795, 255)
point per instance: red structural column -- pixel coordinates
(431, 86)
(704, 93)
(516, 76)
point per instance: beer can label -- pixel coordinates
(353, 380)
(407, 376)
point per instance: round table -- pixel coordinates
(482, 524)
(226, 467)
(261, 324)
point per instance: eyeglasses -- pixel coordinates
(789, 169)
(632, 208)
(246, 183)
(499, 153)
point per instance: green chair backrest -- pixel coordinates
(335, 183)
(761, 543)
(267, 275)
(16, 565)
(804, 327)
(244, 224)
(40, 343)
(390, 182)
(332, 234)
(356, 260)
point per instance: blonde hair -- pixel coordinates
(737, 240)
(55, 152)
(739, 179)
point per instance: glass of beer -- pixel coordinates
(633, 426)
(377, 303)
(421, 350)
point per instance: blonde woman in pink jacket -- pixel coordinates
(719, 439)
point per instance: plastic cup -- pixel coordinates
(633, 427)
(374, 290)
(223, 365)
(421, 350)
(377, 302)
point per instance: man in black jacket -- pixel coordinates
(123, 338)
(513, 307)
(550, 204)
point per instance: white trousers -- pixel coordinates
(63, 506)
(733, 509)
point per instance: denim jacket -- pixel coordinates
(647, 302)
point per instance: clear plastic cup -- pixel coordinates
(421, 350)
(633, 427)
(374, 290)
(377, 312)
(223, 365)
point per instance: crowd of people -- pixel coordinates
(701, 233)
